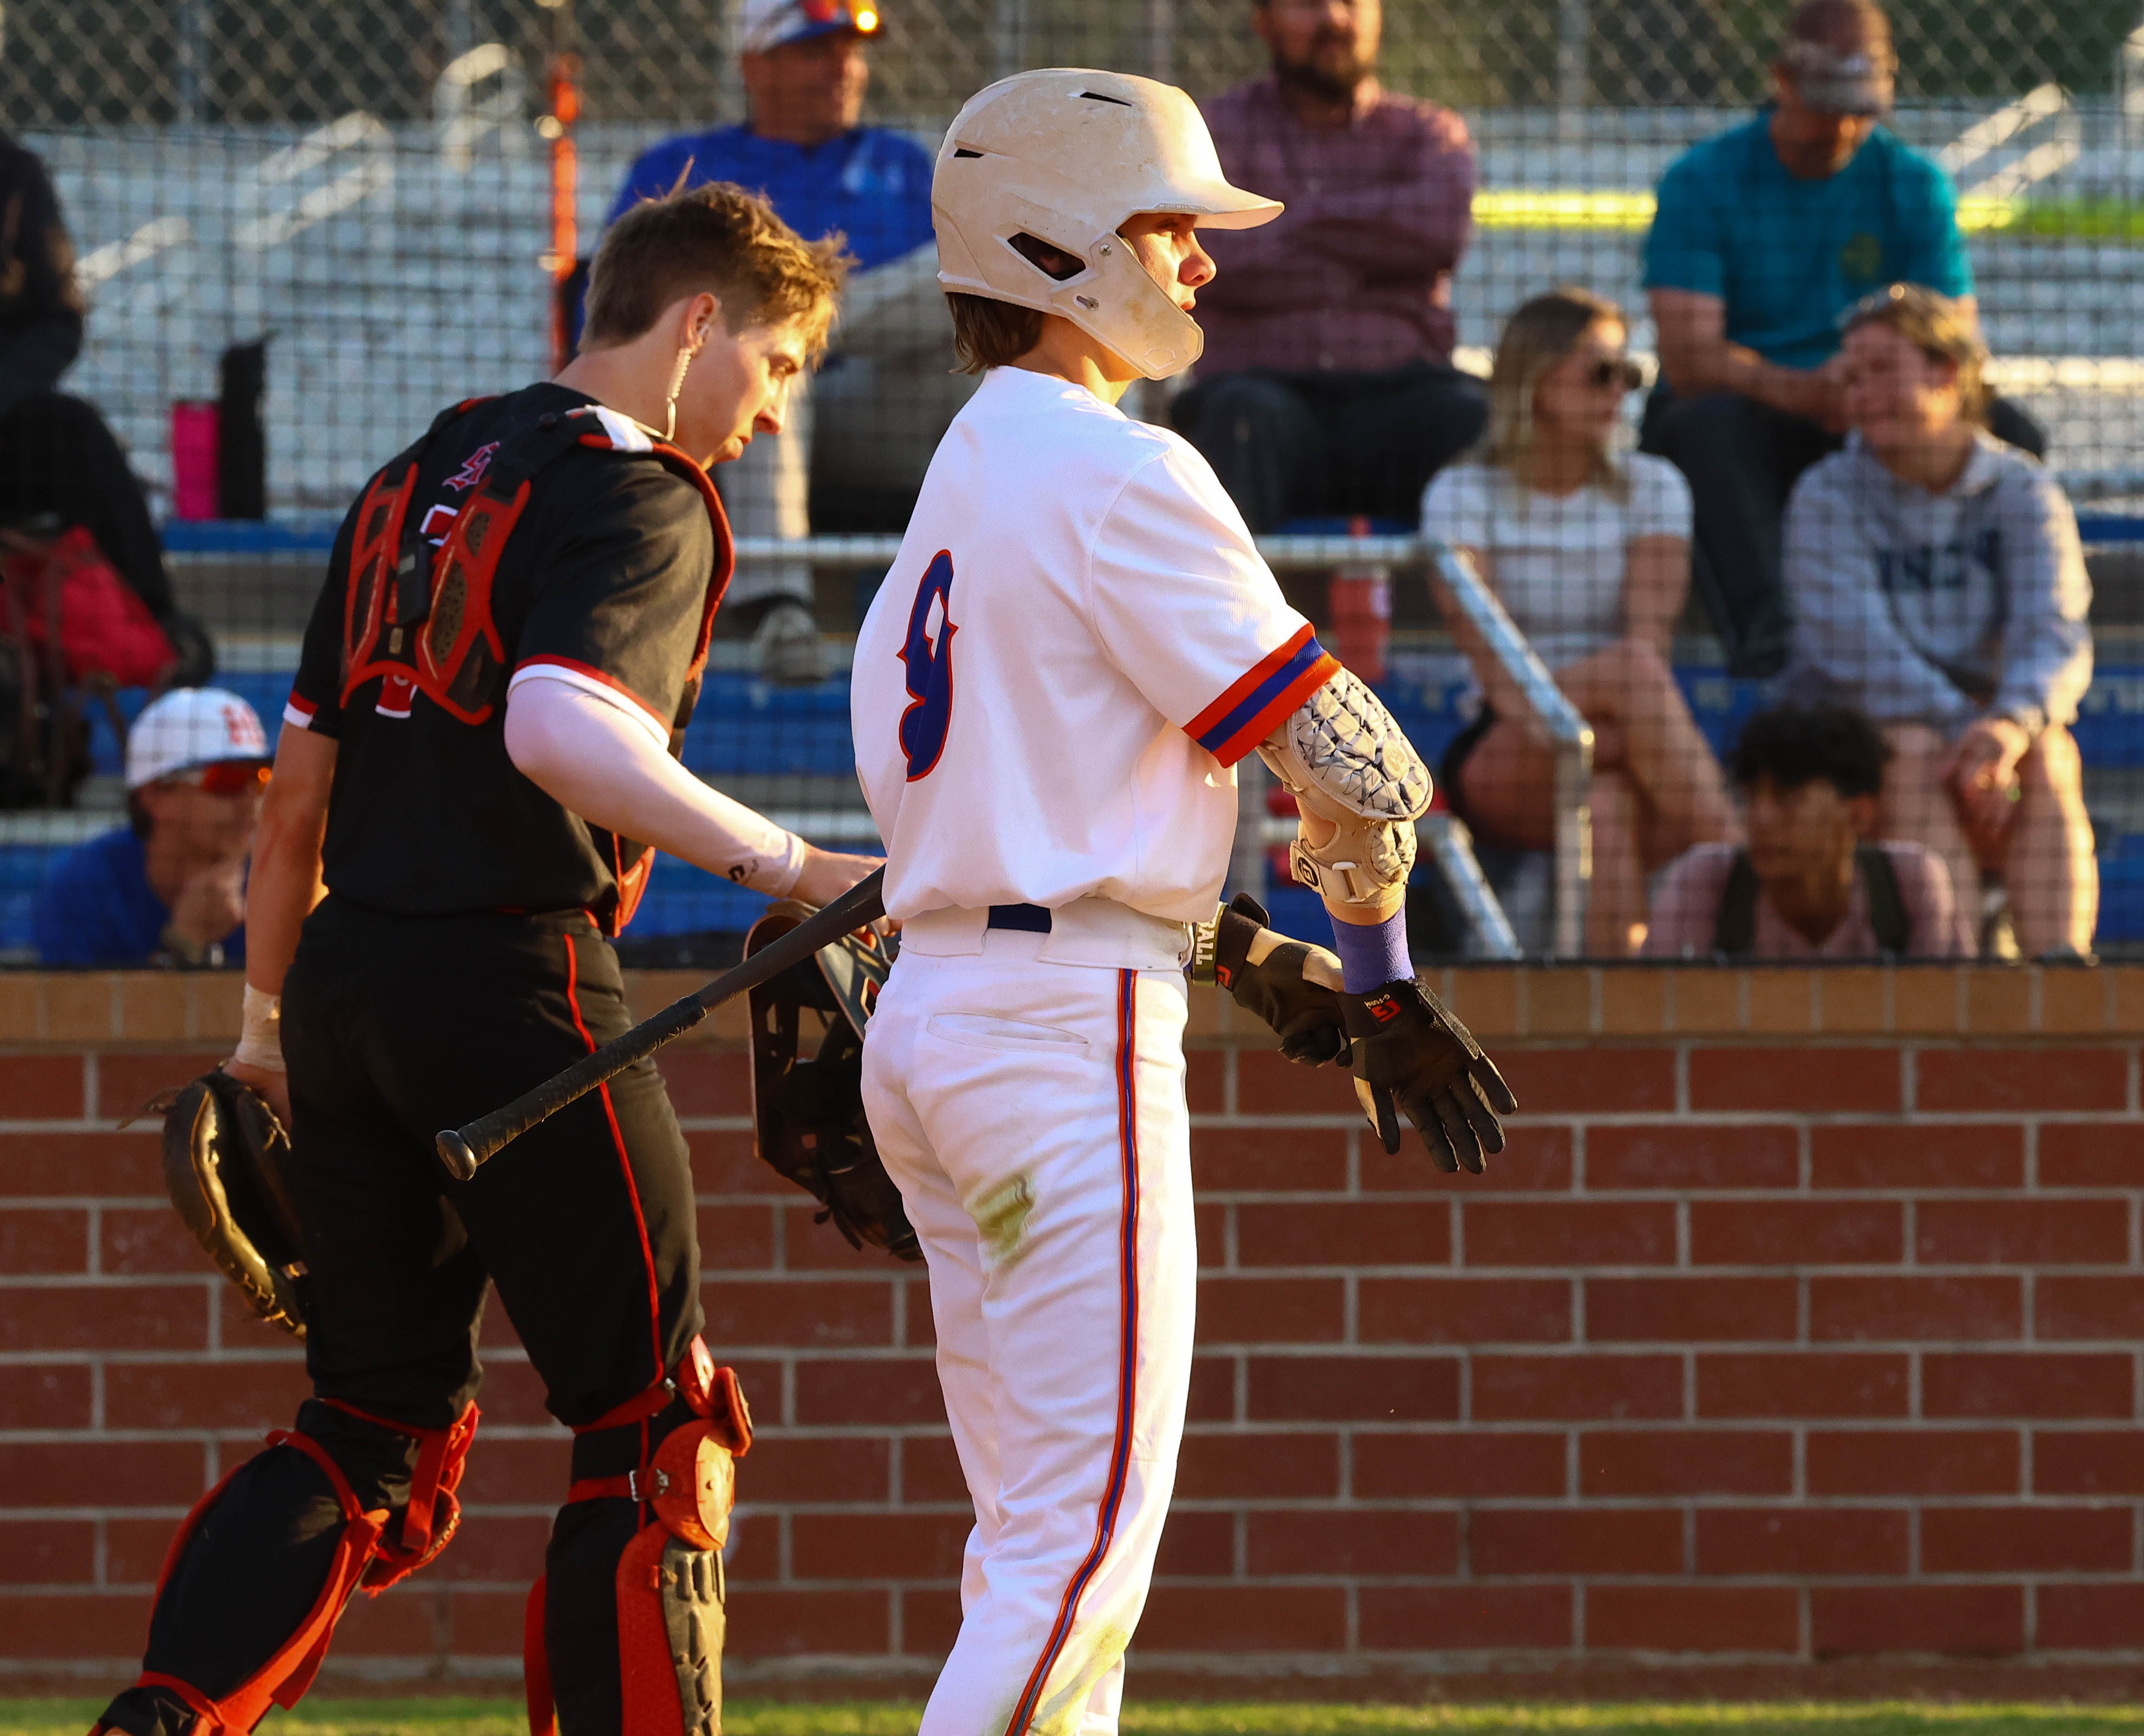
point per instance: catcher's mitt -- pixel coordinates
(808, 1111)
(224, 1154)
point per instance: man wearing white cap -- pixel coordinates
(885, 396)
(170, 889)
(1076, 645)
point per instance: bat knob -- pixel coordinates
(455, 1154)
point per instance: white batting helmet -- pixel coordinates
(1066, 156)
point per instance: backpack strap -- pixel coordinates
(1735, 924)
(1887, 904)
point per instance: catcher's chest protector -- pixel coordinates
(424, 619)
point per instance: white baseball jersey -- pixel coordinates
(1074, 648)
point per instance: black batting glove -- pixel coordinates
(1410, 1053)
(1295, 988)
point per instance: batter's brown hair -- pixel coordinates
(720, 239)
(989, 334)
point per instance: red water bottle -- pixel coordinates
(1361, 602)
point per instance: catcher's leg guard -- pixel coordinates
(668, 1583)
(193, 1695)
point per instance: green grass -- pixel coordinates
(762, 1718)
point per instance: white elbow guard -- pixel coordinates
(1346, 761)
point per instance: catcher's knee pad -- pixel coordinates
(377, 1546)
(668, 1582)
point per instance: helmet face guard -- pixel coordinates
(1068, 156)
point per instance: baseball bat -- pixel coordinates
(465, 1149)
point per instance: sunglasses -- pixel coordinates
(1616, 371)
(225, 777)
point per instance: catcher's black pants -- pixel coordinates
(393, 1028)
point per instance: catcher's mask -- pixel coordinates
(224, 1154)
(807, 1103)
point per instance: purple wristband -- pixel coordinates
(1372, 955)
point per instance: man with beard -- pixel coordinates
(1327, 386)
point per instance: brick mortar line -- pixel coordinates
(1564, 1268)
(1431, 1428)
(1668, 1115)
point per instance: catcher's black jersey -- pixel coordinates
(605, 575)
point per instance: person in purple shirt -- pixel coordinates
(804, 150)
(1327, 386)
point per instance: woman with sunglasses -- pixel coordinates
(1590, 557)
(171, 888)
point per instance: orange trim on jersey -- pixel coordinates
(1254, 704)
(593, 674)
(624, 1170)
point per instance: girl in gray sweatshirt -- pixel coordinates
(1938, 587)
(1934, 608)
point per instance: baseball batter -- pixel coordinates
(1076, 645)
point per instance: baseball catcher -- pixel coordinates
(476, 766)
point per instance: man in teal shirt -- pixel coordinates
(1762, 238)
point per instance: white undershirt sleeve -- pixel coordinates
(596, 758)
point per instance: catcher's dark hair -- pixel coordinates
(718, 238)
(1796, 745)
(989, 334)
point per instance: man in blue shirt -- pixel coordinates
(1762, 238)
(171, 888)
(802, 147)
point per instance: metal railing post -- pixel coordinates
(1572, 736)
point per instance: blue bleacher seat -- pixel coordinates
(314, 533)
(744, 727)
(22, 868)
(2122, 890)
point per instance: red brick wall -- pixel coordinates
(1799, 1323)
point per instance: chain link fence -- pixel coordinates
(367, 189)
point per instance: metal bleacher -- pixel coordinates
(788, 750)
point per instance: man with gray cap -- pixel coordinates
(1763, 237)
(803, 149)
(171, 888)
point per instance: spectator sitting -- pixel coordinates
(59, 464)
(801, 147)
(170, 889)
(1810, 886)
(1763, 236)
(1938, 586)
(1327, 386)
(1591, 560)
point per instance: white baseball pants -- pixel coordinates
(1033, 1115)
